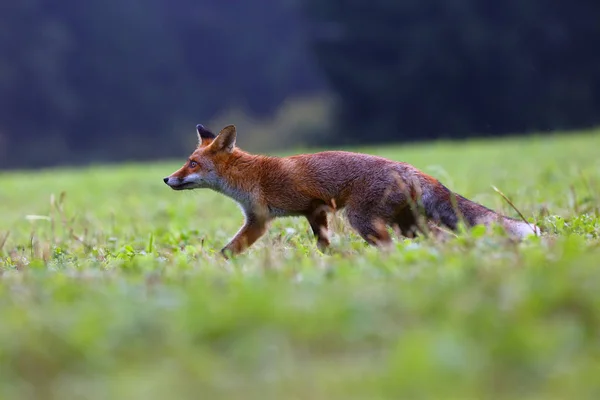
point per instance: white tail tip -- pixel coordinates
(522, 229)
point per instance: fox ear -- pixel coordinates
(225, 140)
(204, 135)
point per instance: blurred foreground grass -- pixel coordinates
(111, 287)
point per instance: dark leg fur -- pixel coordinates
(318, 223)
(369, 228)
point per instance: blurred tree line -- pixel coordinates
(419, 69)
(99, 81)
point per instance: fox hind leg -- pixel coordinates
(369, 227)
(409, 222)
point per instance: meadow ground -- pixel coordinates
(111, 286)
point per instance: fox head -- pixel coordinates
(199, 170)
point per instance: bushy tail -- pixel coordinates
(443, 206)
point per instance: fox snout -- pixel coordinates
(173, 183)
(188, 182)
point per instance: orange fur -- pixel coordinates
(374, 191)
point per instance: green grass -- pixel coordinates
(111, 286)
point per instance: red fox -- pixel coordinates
(374, 191)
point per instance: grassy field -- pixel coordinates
(112, 287)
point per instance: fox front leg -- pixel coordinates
(253, 229)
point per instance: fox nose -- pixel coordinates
(166, 180)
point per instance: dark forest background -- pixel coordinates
(94, 81)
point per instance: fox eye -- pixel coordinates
(193, 164)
